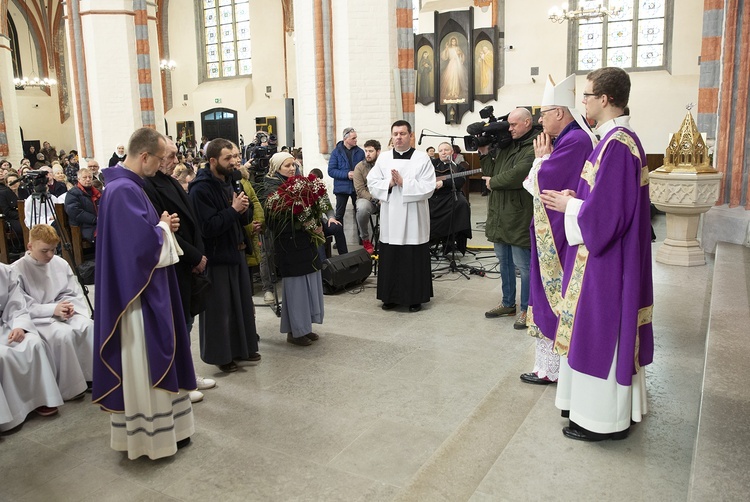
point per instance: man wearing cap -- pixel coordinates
(341, 165)
(509, 211)
(560, 151)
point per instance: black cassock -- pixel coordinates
(449, 210)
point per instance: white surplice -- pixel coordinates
(70, 340)
(27, 376)
(404, 212)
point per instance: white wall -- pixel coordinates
(657, 99)
(245, 95)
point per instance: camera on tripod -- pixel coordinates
(494, 133)
(34, 181)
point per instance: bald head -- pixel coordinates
(520, 122)
(170, 159)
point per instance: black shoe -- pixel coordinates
(533, 378)
(578, 433)
(230, 367)
(183, 443)
(388, 306)
(302, 341)
(415, 308)
(313, 337)
(252, 359)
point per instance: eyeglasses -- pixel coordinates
(542, 112)
(587, 95)
(161, 159)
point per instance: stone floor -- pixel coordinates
(392, 406)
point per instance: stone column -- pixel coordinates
(723, 100)
(11, 146)
(114, 64)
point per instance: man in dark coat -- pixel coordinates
(166, 194)
(227, 327)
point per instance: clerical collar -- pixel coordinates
(404, 156)
(621, 121)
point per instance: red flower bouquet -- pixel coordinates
(302, 201)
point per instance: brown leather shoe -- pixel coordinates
(313, 337)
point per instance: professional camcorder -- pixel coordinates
(493, 133)
(34, 181)
(259, 151)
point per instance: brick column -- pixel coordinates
(10, 134)
(113, 57)
(405, 44)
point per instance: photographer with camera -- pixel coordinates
(509, 211)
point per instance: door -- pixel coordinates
(220, 123)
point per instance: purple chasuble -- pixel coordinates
(608, 287)
(549, 248)
(128, 246)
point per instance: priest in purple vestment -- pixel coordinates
(143, 369)
(605, 328)
(560, 152)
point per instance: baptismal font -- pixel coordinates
(685, 187)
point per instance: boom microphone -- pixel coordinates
(420, 137)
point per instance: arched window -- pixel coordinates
(14, 54)
(636, 38)
(226, 33)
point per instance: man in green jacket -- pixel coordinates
(509, 211)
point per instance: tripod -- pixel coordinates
(42, 207)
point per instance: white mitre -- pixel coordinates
(564, 94)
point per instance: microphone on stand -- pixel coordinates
(420, 137)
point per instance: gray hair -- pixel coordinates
(348, 131)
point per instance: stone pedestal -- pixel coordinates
(684, 196)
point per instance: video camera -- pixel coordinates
(34, 181)
(259, 151)
(494, 133)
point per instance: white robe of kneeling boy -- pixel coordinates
(71, 340)
(27, 375)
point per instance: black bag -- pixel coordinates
(200, 289)
(86, 272)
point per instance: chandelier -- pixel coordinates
(165, 65)
(42, 83)
(560, 14)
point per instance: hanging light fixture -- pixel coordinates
(165, 65)
(560, 14)
(33, 80)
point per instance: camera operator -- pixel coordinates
(509, 211)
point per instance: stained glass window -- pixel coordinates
(227, 32)
(632, 37)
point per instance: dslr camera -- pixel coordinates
(494, 132)
(259, 151)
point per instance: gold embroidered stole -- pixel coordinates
(572, 295)
(550, 268)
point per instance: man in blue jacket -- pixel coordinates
(344, 157)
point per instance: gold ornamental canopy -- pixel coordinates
(687, 150)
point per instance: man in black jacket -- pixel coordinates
(166, 194)
(227, 327)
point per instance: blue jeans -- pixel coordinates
(509, 258)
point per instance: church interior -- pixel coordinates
(397, 405)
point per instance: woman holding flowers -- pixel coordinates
(294, 208)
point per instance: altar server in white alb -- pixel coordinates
(27, 376)
(403, 179)
(58, 309)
